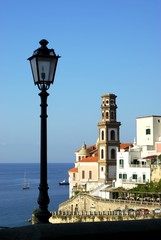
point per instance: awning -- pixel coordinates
(150, 157)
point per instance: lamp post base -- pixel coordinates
(40, 216)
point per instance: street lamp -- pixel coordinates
(43, 65)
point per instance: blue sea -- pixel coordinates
(16, 204)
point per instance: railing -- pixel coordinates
(103, 213)
(138, 166)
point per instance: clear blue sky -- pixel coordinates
(106, 46)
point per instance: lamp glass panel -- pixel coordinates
(53, 64)
(34, 69)
(44, 69)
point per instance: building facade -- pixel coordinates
(140, 164)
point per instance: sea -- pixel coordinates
(16, 204)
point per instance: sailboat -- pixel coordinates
(26, 184)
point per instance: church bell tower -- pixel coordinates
(108, 140)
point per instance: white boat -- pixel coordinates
(64, 182)
(26, 184)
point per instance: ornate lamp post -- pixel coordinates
(43, 65)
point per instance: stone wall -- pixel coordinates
(155, 173)
(84, 202)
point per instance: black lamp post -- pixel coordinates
(43, 65)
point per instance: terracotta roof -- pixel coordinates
(73, 170)
(92, 147)
(93, 151)
(89, 148)
(125, 145)
(89, 159)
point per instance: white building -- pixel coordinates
(111, 164)
(131, 169)
(136, 166)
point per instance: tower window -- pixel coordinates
(112, 115)
(102, 154)
(106, 114)
(112, 101)
(113, 153)
(112, 135)
(102, 135)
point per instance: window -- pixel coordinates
(112, 133)
(144, 178)
(112, 101)
(121, 163)
(112, 115)
(135, 161)
(120, 175)
(124, 176)
(113, 154)
(106, 114)
(73, 176)
(134, 176)
(102, 154)
(83, 174)
(90, 174)
(148, 131)
(102, 135)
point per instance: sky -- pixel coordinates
(106, 46)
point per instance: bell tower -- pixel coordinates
(108, 140)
